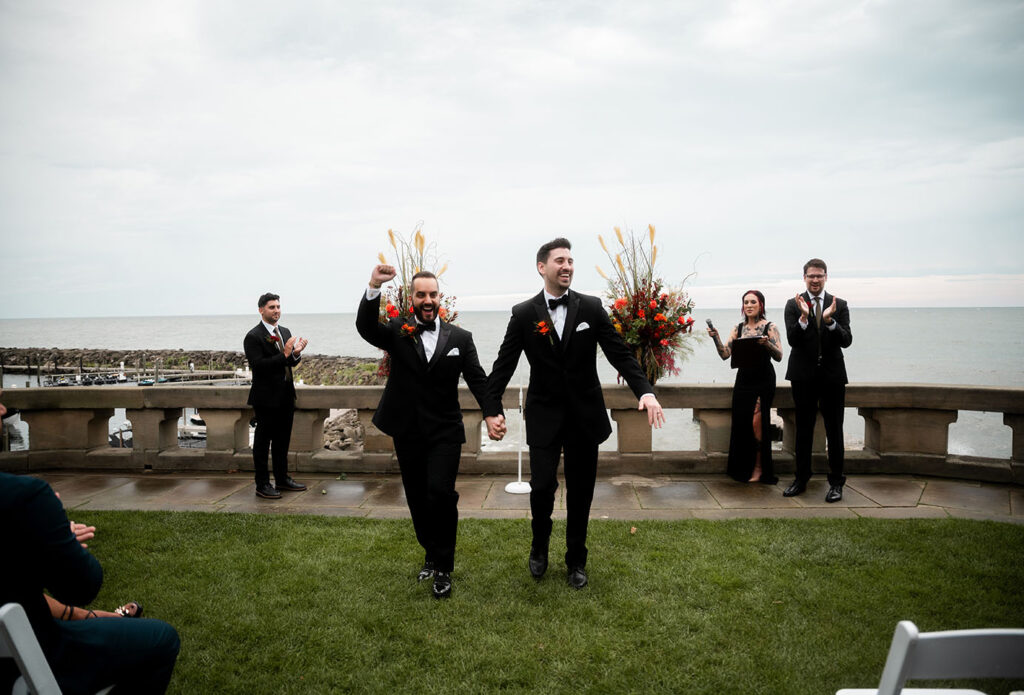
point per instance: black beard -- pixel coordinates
(418, 311)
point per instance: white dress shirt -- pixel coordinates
(813, 307)
(558, 313)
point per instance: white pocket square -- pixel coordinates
(454, 352)
(582, 327)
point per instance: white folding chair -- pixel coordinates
(989, 653)
(18, 642)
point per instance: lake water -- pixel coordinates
(981, 346)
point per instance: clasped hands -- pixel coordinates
(496, 427)
(295, 346)
(805, 310)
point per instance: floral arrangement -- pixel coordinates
(653, 318)
(412, 256)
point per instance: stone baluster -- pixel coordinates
(1015, 421)
(910, 430)
(471, 420)
(374, 441)
(227, 429)
(715, 425)
(80, 428)
(154, 429)
(308, 430)
(634, 432)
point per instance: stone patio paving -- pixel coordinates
(620, 497)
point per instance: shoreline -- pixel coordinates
(315, 369)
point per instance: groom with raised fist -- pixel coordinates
(559, 330)
(420, 411)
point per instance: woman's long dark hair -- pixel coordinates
(760, 302)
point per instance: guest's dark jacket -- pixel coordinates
(803, 356)
(421, 399)
(563, 372)
(271, 386)
(40, 552)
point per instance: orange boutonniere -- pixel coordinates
(543, 328)
(409, 331)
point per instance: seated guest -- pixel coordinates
(41, 553)
(750, 447)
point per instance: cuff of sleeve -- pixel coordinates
(372, 293)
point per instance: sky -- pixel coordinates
(183, 157)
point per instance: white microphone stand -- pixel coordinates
(519, 487)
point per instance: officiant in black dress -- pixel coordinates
(752, 345)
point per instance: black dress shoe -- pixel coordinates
(795, 489)
(426, 572)
(835, 493)
(289, 485)
(442, 585)
(538, 562)
(577, 577)
(268, 491)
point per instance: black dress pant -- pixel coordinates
(580, 476)
(809, 396)
(273, 434)
(428, 471)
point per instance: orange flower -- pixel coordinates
(653, 304)
(442, 312)
(664, 343)
(620, 303)
(640, 314)
(660, 317)
(391, 310)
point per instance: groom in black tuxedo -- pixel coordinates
(420, 411)
(271, 352)
(817, 329)
(559, 331)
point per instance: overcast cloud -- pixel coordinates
(181, 158)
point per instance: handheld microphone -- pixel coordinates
(710, 325)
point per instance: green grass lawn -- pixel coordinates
(297, 604)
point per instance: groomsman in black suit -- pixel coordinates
(420, 411)
(818, 328)
(559, 330)
(271, 352)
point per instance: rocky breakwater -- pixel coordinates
(326, 370)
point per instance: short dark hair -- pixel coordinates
(545, 251)
(268, 297)
(815, 263)
(422, 274)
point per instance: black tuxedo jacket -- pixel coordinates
(271, 387)
(421, 399)
(803, 342)
(563, 372)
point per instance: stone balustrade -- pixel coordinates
(906, 430)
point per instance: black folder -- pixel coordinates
(746, 352)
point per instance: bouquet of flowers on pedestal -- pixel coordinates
(412, 256)
(653, 318)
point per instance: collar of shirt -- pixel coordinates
(558, 313)
(270, 329)
(429, 338)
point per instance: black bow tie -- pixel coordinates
(561, 301)
(426, 326)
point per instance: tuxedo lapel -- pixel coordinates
(541, 307)
(444, 331)
(570, 319)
